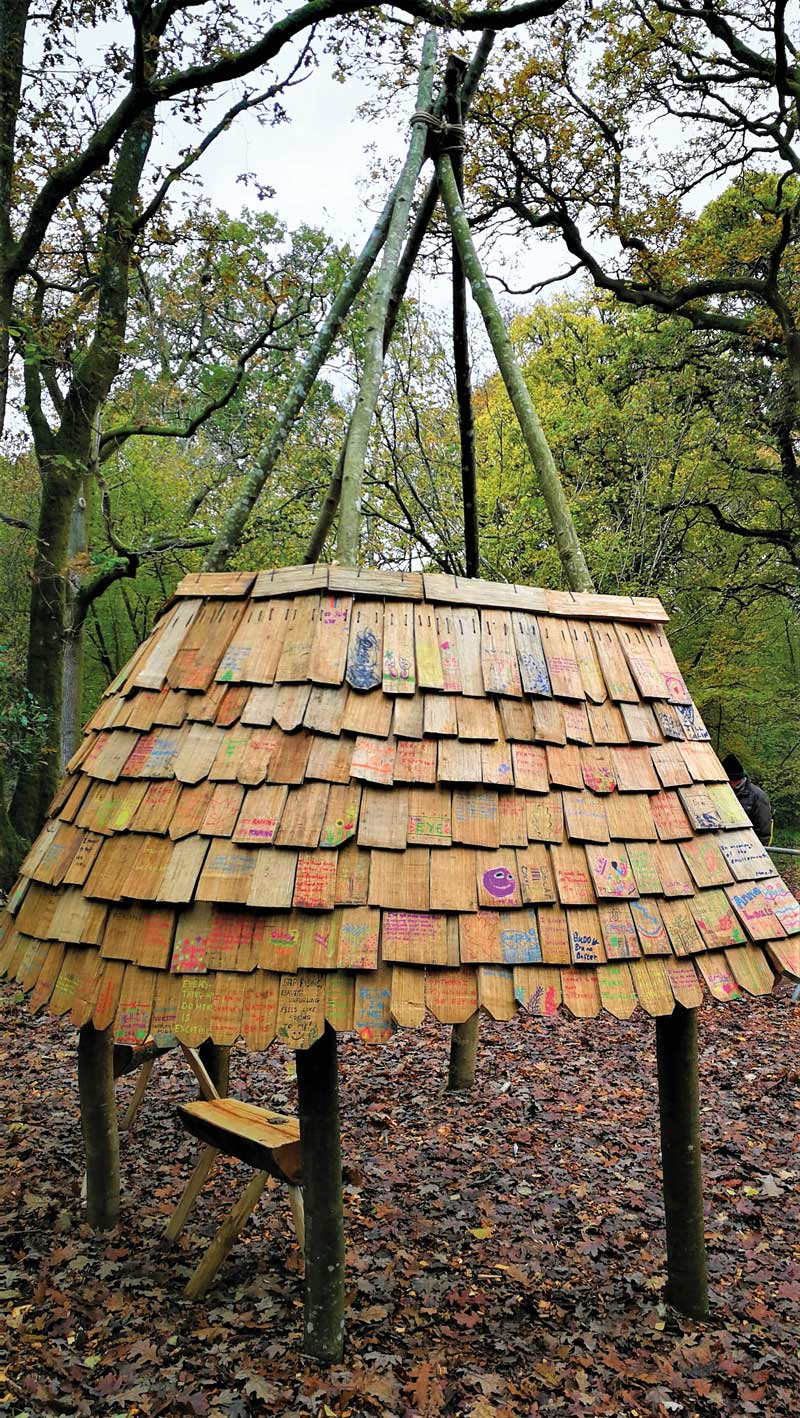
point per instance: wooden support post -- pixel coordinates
(99, 1126)
(212, 1260)
(192, 1190)
(464, 1037)
(318, 1095)
(463, 1054)
(217, 1061)
(137, 1096)
(679, 1104)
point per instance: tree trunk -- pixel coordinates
(13, 24)
(361, 421)
(37, 781)
(63, 461)
(326, 514)
(318, 1094)
(217, 1062)
(72, 693)
(679, 1105)
(99, 1126)
(463, 1054)
(569, 547)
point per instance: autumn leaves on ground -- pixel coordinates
(505, 1247)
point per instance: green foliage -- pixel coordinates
(650, 425)
(23, 723)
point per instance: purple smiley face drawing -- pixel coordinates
(499, 882)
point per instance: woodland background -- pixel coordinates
(151, 339)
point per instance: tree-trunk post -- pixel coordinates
(679, 1106)
(318, 1095)
(217, 1062)
(99, 1126)
(463, 1054)
(464, 1037)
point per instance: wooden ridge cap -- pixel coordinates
(434, 587)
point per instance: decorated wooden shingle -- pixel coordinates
(320, 793)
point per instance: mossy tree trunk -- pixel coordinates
(37, 780)
(63, 455)
(406, 264)
(318, 1096)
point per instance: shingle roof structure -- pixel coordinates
(317, 793)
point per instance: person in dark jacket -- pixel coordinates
(752, 798)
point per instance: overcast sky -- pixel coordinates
(318, 165)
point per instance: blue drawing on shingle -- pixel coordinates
(362, 664)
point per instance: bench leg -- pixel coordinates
(137, 1096)
(225, 1237)
(177, 1220)
(298, 1216)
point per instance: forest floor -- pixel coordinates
(505, 1248)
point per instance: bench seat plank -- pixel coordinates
(268, 1141)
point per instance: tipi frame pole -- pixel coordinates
(466, 426)
(318, 1099)
(679, 1108)
(99, 1126)
(427, 206)
(236, 518)
(569, 547)
(411, 250)
(361, 420)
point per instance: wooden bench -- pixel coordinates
(266, 1141)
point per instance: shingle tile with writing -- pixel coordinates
(320, 793)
